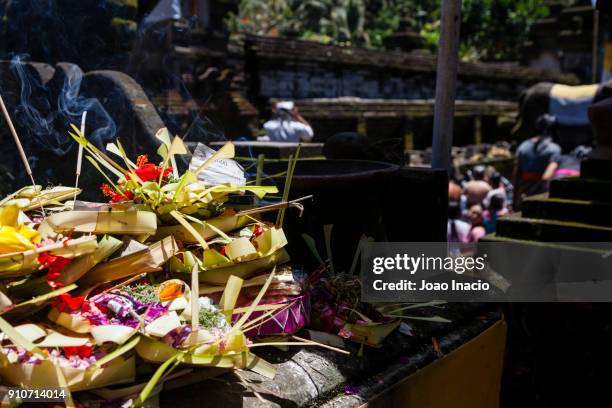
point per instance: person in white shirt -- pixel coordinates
(287, 125)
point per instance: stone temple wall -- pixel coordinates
(300, 69)
(383, 94)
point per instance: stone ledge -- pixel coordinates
(351, 107)
(273, 150)
(312, 377)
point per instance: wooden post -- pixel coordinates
(477, 130)
(448, 60)
(595, 61)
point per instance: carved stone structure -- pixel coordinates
(563, 41)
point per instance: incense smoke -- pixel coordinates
(43, 114)
(100, 127)
(47, 121)
(28, 111)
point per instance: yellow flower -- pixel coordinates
(15, 237)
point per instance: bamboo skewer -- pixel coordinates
(272, 207)
(327, 346)
(79, 158)
(125, 282)
(24, 158)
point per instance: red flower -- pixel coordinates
(116, 196)
(126, 196)
(81, 351)
(107, 190)
(142, 160)
(150, 172)
(346, 333)
(257, 231)
(65, 302)
(55, 265)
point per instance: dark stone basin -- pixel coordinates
(346, 193)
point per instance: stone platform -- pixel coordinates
(308, 377)
(575, 209)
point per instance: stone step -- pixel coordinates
(518, 227)
(585, 266)
(580, 211)
(582, 189)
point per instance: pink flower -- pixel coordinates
(346, 333)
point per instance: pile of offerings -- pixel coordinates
(171, 274)
(175, 273)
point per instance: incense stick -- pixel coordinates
(195, 299)
(260, 165)
(79, 158)
(24, 158)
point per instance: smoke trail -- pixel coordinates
(28, 115)
(71, 106)
(48, 126)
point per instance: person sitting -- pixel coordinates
(537, 159)
(477, 229)
(477, 189)
(287, 125)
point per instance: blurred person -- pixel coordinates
(496, 209)
(477, 229)
(498, 189)
(454, 191)
(457, 230)
(476, 189)
(537, 159)
(287, 125)
(569, 165)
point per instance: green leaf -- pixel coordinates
(187, 177)
(291, 169)
(209, 225)
(97, 166)
(157, 376)
(312, 245)
(117, 352)
(19, 340)
(327, 231)
(48, 296)
(253, 305)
